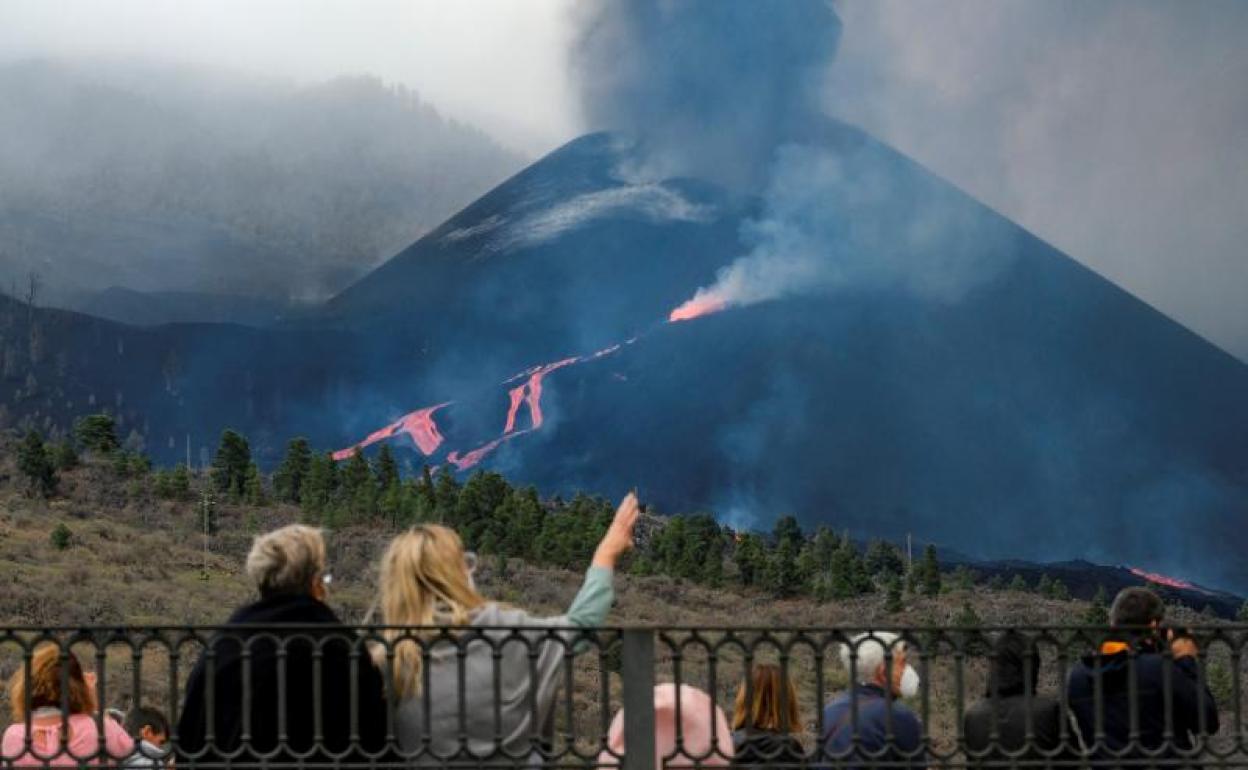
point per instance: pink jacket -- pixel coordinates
(701, 735)
(84, 741)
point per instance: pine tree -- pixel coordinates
(929, 572)
(884, 558)
(996, 582)
(359, 487)
(1059, 591)
(387, 468)
(967, 617)
(445, 495)
(64, 456)
(320, 486)
(230, 465)
(1044, 586)
(35, 464)
(391, 504)
(253, 486)
(750, 557)
(963, 578)
(892, 598)
(61, 537)
(1097, 613)
(97, 433)
(842, 577)
(1017, 583)
(783, 577)
(787, 529)
(1242, 615)
(290, 475)
(180, 482)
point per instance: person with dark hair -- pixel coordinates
(1160, 666)
(150, 730)
(305, 693)
(1011, 707)
(765, 719)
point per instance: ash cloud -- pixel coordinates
(707, 89)
(733, 91)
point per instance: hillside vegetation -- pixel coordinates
(183, 178)
(111, 541)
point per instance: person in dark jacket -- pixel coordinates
(765, 719)
(257, 710)
(1012, 707)
(1193, 713)
(868, 726)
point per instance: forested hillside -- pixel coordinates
(154, 178)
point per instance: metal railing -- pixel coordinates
(299, 696)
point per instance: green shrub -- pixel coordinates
(61, 537)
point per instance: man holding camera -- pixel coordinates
(1140, 688)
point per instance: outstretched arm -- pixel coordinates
(593, 601)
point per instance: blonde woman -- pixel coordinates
(487, 693)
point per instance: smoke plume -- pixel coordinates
(708, 88)
(729, 91)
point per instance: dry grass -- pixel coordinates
(137, 561)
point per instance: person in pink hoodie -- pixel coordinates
(703, 744)
(58, 737)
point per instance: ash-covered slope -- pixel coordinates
(958, 378)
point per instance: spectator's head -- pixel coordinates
(426, 580)
(290, 560)
(147, 724)
(1015, 666)
(768, 704)
(698, 735)
(880, 661)
(1136, 606)
(44, 687)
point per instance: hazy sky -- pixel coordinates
(1117, 129)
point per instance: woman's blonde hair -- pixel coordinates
(773, 703)
(424, 582)
(45, 684)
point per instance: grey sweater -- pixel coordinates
(466, 724)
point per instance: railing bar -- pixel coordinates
(282, 735)
(638, 676)
(101, 697)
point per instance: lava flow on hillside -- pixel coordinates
(425, 433)
(1164, 580)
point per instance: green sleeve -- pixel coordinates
(593, 601)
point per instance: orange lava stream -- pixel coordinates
(419, 425)
(1163, 580)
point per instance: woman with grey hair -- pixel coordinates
(293, 696)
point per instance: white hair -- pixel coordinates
(286, 560)
(873, 649)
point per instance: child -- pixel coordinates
(150, 731)
(58, 737)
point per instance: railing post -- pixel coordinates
(637, 672)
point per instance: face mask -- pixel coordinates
(909, 682)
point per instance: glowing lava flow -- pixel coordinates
(422, 429)
(700, 305)
(1163, 580)
(419, 425)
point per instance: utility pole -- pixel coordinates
(206, 505)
